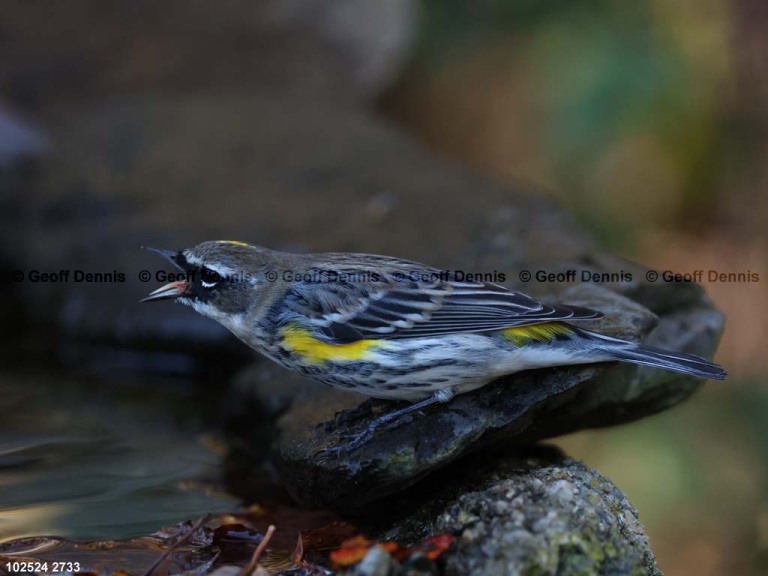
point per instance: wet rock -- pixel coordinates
(377, 562)
(542, 514)
(396, 458)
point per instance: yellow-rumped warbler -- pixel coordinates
(390, 328)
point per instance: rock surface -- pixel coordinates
(395, 458)
(541, 514)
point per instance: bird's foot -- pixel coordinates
(389, 420)
(347, 416)
(350, 441)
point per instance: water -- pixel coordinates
(99, 459)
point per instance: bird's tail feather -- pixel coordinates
(624, 351)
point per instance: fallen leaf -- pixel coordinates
(351, 551)
(434, 546)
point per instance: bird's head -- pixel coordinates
(219, 279)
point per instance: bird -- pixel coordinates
(390, 328)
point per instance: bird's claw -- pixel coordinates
(348, 443)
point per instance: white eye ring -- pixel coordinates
(216, 277)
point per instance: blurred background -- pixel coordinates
(130, 123)
(648, 121)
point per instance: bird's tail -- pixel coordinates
(615, 349)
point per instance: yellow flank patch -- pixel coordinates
(545, 332)
(313, 351)
(234, 243)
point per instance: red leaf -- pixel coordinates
(351, 551)
(434, 546)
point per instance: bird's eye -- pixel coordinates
(209, 278)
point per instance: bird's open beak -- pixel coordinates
(172, 289)
(167, 292)
(174, 258)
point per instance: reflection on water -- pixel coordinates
(98, 460)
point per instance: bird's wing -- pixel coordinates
(398, 306)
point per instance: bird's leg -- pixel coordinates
(390, 420)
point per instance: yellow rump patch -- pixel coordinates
(545, 332)
(234, 243)
(313, 351)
